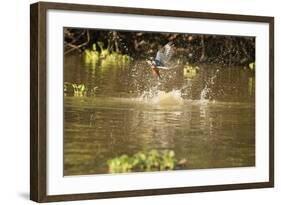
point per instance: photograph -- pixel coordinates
(143, 101)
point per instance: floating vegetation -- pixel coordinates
(104, 57)
(74, 89)
(145, 161)
(252, 66)
(78, 90)
(91, 57)
(116, 59)
(190, 71)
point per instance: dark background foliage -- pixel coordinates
(192, 48)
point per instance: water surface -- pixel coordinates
(208, 118)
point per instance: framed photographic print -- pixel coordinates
(134, 102)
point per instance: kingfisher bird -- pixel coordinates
(162, 59)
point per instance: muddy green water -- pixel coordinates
(208, 118)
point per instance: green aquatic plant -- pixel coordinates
(74, 89)
(91, 57)
(190, 71)
(152, 160)
(116, 59)
(103, 52)
(78, 90)
(68, 89)
(104, 57)
(252, 66)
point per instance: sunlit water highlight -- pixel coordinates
(161, 98)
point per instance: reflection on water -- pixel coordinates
(208, 119)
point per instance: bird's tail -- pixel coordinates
(158, 74)
(156, 71)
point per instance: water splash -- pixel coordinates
(162, 98)
(204, 96)
(207, 91)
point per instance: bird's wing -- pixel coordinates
(165, 53)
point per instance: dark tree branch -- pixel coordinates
(74, 47)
